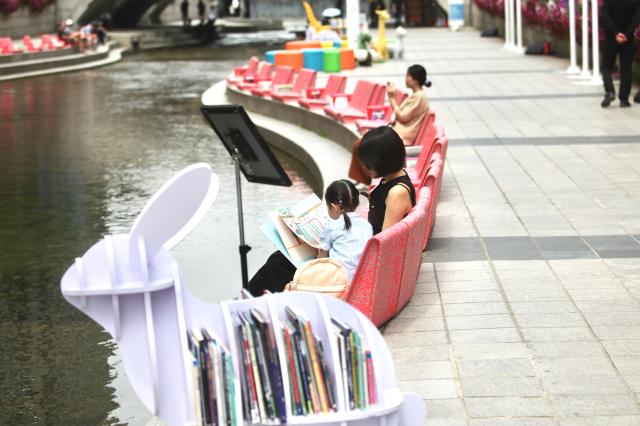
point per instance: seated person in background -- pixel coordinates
(382, 155)
(408, 116)
(343, 239)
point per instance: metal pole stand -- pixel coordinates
(243, 248)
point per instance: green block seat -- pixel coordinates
(332, 60)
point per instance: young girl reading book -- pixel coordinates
(343, 239)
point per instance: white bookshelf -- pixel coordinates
(132, 286)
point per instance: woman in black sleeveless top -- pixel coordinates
(382, 153)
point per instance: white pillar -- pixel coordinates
(573, 66)
(596, 78)
(585, 40)
(519, 46)
(352, 22)
(507, 29)
(512, 37)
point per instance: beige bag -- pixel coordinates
(325, 275)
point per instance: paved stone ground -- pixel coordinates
(527, 309)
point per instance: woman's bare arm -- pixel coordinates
(398, 205)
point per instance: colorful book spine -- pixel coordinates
(305, 398)
(255, 371)
(309, 376)
(296, 405)
(371, 379)
(317, 368)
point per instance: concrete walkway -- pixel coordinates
(527, 309)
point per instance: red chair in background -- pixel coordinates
(371, 122)
(7, 47)
(240, 72)
(30, 45)
(282, 76)
(355, 104)
(305, 80)
(253, 80)
(318, 98)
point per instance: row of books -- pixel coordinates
(213, 383)
(356, 366)
(263, 399)
(312, 387)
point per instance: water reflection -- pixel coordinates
(79, 156)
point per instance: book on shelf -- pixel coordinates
(214, 392)
(356, 367)
(296, 230)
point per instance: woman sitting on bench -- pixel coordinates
(382, 153)
(408, 115)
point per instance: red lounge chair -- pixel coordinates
(51, 42)
(366, 93)
(30, 45)
(252, 80)
(304, 80)
(374, 288)
(283, 75)
(371, 122)
(318, 98)
(7, 47)
(417, 221)
(240, 72)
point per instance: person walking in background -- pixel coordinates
(184, 10)
(201, 11)
(620, 19)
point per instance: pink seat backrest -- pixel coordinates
(433, 181)
(417, 222)
(252, 65)
(431, 131)
(361, 95)
(335, 84)
(377, 95)
(283, 75)
(264, 71)
(306, 79)
(374, 288)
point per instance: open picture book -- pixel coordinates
(296, 230)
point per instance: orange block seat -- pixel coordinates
(347, 59)
(302, 44)
(290, 58)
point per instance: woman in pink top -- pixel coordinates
(408, 116)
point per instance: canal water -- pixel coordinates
(80, 154)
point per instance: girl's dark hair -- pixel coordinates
(345, 194)
(382, 151)
(419, 74)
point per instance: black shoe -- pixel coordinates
(608, 97)
(624, 104)
(636, 98)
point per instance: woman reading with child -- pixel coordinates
(345, 235)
